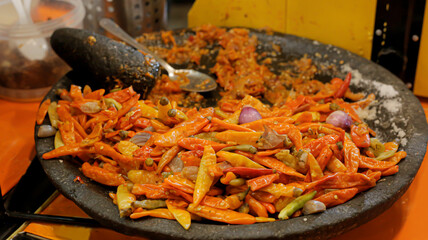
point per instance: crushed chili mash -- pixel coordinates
(172, 161)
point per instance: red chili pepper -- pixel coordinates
(345, 85)
(247, 172)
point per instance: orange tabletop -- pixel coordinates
(404, 220)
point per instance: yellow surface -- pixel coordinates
(347, 24)
(243, 13)
(421, 79)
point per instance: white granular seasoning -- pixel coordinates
(390, 102)
(369, 113)
(392, 105)
(387, 91)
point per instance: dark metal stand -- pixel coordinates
(28, 195)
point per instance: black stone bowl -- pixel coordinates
(398, 115)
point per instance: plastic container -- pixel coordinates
(22, 79)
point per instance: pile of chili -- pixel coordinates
(184, 163)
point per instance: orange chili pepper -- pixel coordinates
(76, 92)
(314, 168)
(215, 202)
(95, 95)
(101, 175)
(180, 183)
(150, 190)
(342, 180)
(67, 132)
(317, 145)
(64, 115)
(204, 179)
(352, 155)
(390, 171)
(198, 144)
(43, 110)
(180, 214)
(70, 149)
(277, 165)
(187, 128)
(159, 213)
(262, 181)
(167, 157)
(215, 170)
(221, 215)
(360, 135)
(258, 208)
(337, 197)
(177, 192)
(233, 201)
(122, 95)
(227, 178)
(268, 152)
(324, 157)
(269, 207)
(247, 172)
(264, 196)
(366, 162)
(124, 161)
(273, 122)
(126, 106)
(191, 158)
(230, 126)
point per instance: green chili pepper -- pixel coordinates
(243, 147)
(149, 204)
(385, 155)
(295, 205)
(58, 140)
(115, 89)
(376, 147)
